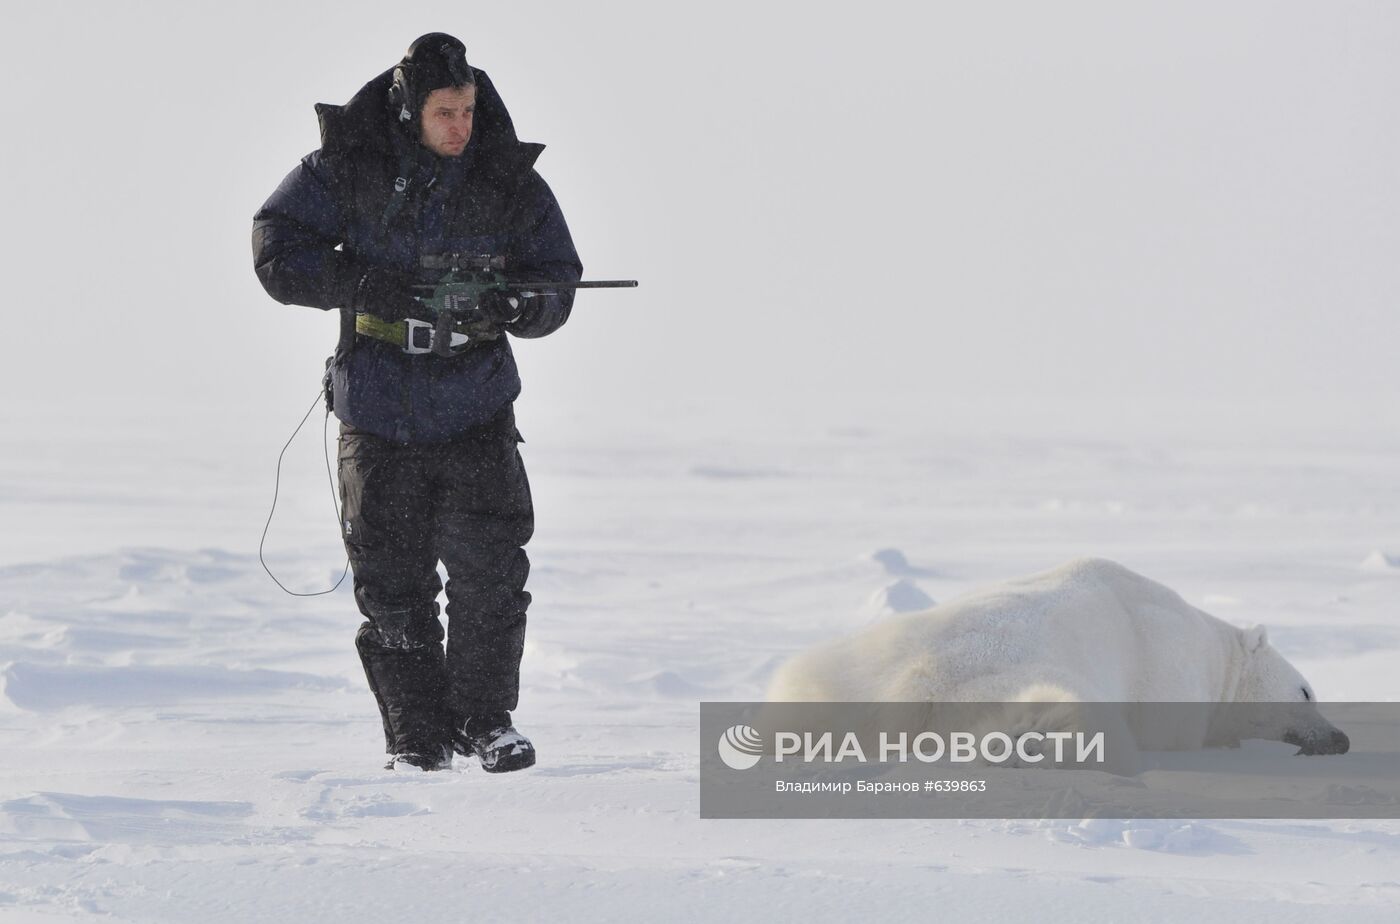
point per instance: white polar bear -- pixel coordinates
(1090, 631)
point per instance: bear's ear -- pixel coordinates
(1255, 638)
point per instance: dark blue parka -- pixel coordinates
(341, 213)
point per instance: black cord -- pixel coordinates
(277, 486)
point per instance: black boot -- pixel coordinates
(491, 737)
(439, 758)
(408, 685)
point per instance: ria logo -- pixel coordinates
(740, 747)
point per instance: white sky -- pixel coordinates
(1087, 212)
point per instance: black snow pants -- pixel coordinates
(466, 503)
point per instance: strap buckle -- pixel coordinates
(424, 337)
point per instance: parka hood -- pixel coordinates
(367, 122)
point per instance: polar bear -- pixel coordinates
(1089, 631)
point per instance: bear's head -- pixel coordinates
(1293, 717)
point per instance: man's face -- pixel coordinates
(447, 120)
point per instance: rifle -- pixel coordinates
(455, 297)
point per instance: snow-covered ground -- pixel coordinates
(911, 277)
(179, 740)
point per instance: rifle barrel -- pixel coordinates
(592, 284)
(548, 286)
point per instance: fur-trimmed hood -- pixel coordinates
(367, 121)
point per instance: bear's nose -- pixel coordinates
(1322, 742)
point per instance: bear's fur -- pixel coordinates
(1090, 631)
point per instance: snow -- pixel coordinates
(181, 740)
(931, 297)
(903, 596)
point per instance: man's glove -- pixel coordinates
(494, 310)
(386, 295)
(500, 308)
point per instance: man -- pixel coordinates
(424, 162)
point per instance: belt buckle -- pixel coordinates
(416, 343)
(410, 336)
